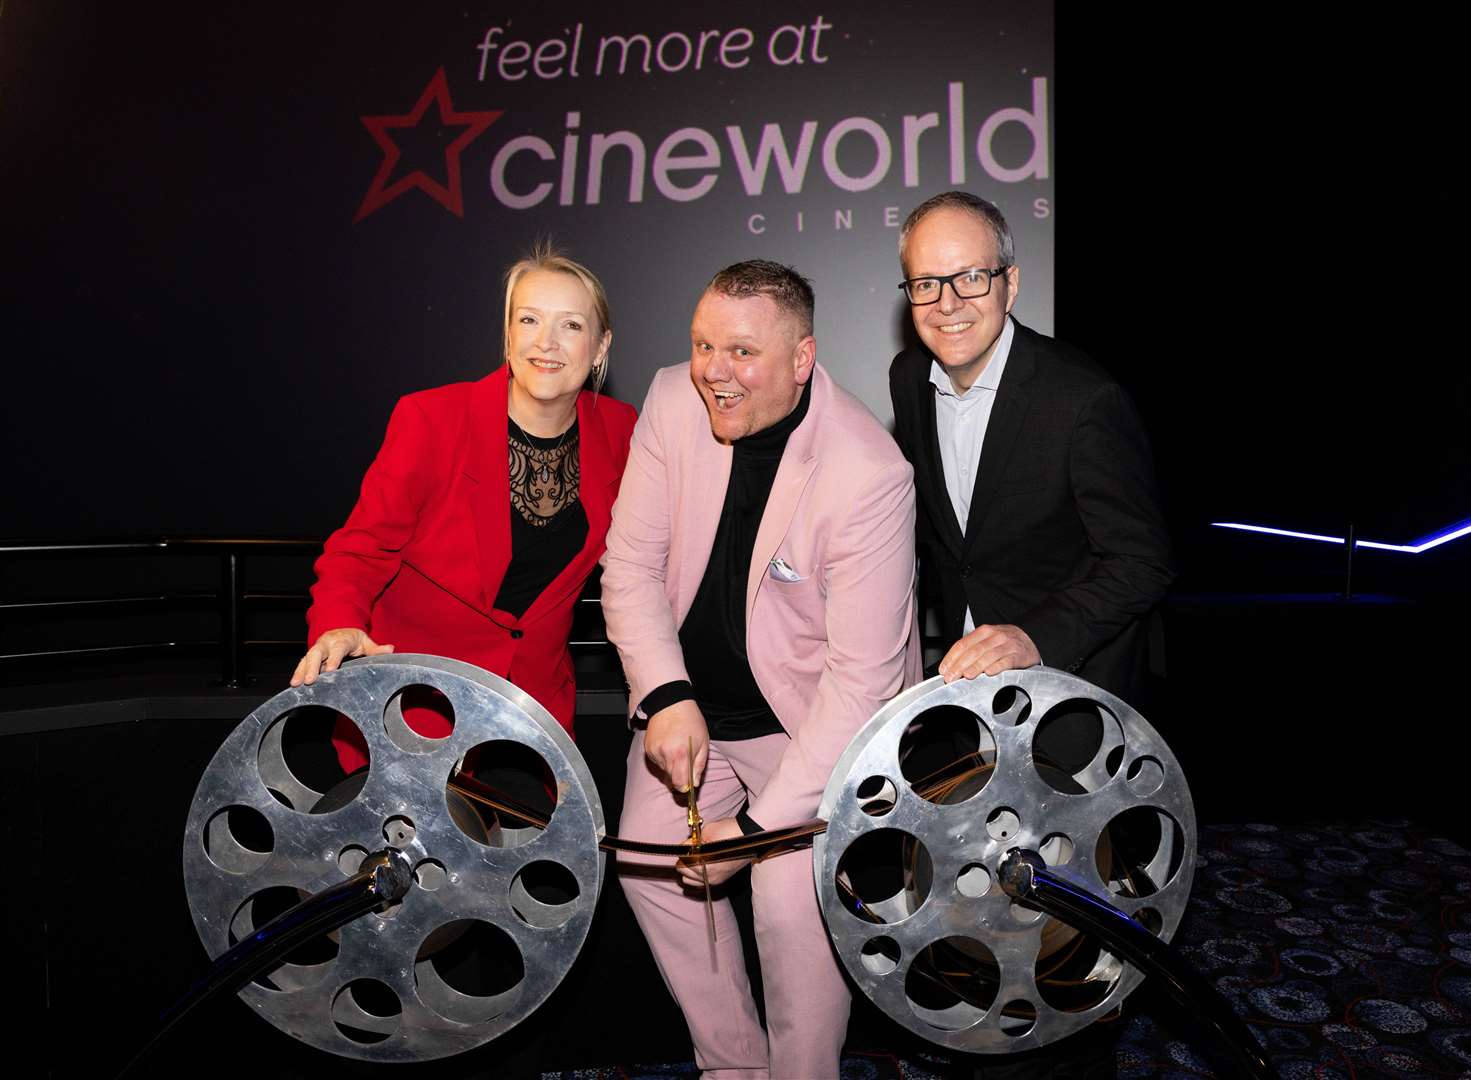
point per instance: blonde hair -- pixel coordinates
(544, 255)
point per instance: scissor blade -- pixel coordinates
(697, 832)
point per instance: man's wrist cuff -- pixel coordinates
(661, 697)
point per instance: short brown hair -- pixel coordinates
(786, 288)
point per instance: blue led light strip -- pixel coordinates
(1425, 543)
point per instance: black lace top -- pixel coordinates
(548, 523)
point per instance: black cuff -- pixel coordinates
(661, 697)
(743, 819)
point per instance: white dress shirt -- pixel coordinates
(961, 420)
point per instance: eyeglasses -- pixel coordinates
(967, 284)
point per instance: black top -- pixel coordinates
(548, 523)
(713, 635)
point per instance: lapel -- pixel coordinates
(489, 491)
(798, 462)
(931, 478)
(1008, 417)
(703, 477)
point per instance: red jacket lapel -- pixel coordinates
(490, 490)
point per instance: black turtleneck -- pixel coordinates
(713, 635)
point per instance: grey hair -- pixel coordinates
(971, 204)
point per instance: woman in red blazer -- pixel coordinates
(486, 508)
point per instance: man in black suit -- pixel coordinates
(1037, 508)
(1038, 511)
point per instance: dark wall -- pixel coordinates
(1253, 227)
(214, 302)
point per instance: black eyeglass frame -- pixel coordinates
(949, 279)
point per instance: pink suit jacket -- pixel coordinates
(421, 558)
(827, 650)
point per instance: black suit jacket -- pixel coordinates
(1065, 537)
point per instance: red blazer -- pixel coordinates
(422, 555)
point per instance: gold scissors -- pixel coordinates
(697, 827)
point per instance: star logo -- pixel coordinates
(448, 194)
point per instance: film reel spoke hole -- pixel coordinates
(973, 881)
(947, 754)
(1011, 705)
(238, 839)
(1150, 919)
(1056, 849)
(430, 875)
(877, 796)
(1023, 915)
(366, 1011)
(1003, 823)
(468, 971)
(880, 955)
(418, 719)
(1145, 776)
(1077, 747)
(544, 894)
(512, 775)
(303, 967)
(350, 859)
(1073, 972)
(952, 983)
(884, 876)
(398, 831)
(1018, 1017)
(1140, 851)
(301, 757)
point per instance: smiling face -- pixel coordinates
(749, 359)
(553, 342)
(961, 334)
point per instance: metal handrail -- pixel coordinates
(230, 598)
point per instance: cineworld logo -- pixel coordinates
(688, 162)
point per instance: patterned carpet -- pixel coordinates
(1347, 948)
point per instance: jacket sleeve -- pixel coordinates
(636, 606)
(1111, 476)
(361, 558)
(872, 652)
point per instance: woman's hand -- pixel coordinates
(333, 647)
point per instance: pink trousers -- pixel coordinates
(807, 1000)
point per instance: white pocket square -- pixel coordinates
(782, 572)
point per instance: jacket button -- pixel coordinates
(965, 571)
(516, 635)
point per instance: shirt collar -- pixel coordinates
(990, 377)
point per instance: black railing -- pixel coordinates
(231, 600)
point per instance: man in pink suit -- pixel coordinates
(759, 585)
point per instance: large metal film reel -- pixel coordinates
(497, 912)
(923, 805)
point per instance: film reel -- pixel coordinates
(927, 800)
(498, 911)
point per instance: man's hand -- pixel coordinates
(720, 872)
(333, 647)
(672, 731)
(989, 650)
